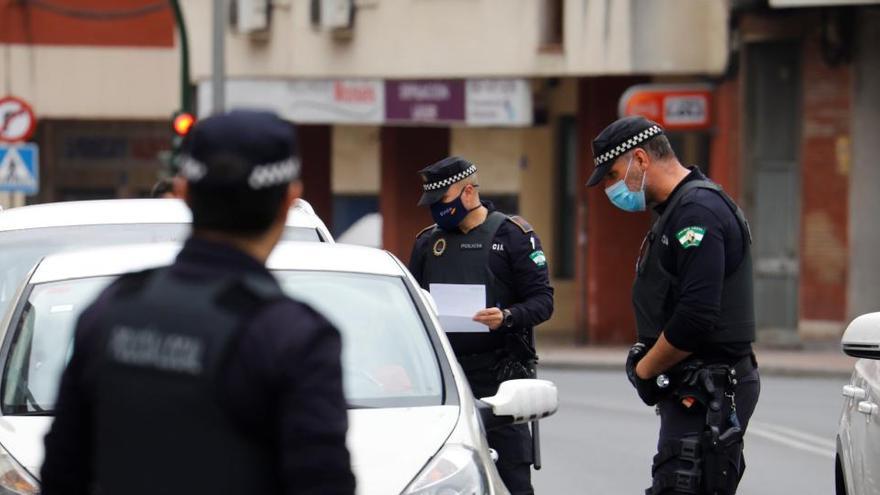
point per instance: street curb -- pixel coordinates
(766, 370)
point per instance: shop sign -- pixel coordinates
(477, 102)
(686, 107)
(343, 101)
(424, 101)
(498, 102)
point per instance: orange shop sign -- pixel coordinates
(677, 107)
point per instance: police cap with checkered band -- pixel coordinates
(242, 149)
(437, 178)
(621, 136)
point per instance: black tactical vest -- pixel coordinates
(459, 258)
(656, 291)
(159, 425)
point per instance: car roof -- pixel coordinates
(128, 211)
(288, 255)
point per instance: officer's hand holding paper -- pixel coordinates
(457, 304)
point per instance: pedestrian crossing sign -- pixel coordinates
(20, 168)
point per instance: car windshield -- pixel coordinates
(22, 249)
(388, 359)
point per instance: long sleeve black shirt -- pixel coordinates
(513, 259)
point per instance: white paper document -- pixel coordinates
(457, 304)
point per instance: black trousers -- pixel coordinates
(677, 422)
(512, 442)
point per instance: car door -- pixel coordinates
(869, 410)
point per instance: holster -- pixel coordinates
(519, 359)
(711, 460)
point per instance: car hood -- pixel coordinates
(388, 446)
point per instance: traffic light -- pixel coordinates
(181, 124)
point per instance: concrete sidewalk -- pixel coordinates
(826, 361)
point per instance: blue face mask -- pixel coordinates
(449, 215)
(623, 198)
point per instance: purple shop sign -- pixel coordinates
(425, 101)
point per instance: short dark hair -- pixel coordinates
(658, 147)
(234, 209)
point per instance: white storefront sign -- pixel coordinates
(343, 101)
(498, 102)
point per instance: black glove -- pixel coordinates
(648, 390)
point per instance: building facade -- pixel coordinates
(381, 88)
(102, 77)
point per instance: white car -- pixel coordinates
(858, 436)
(29, 233)
(415, 428)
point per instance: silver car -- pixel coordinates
(31, 232)
(858, 436)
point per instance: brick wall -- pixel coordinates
(825, 165)
(725, 147)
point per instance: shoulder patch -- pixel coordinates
(521, 222)
(690, 236)
(425, 230)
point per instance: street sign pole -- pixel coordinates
(218, 75)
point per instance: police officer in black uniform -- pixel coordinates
(204, 377)
(694, 309)
(472, 243)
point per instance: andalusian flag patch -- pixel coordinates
(539, 258)
(690, 236)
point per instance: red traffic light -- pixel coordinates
(182, 123)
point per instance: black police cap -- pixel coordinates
(621, 136)
(245, 149)
(439, 176)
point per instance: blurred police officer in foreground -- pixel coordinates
(694, 309)
(204, 377)
(471, 243)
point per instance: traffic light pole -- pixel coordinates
(185, 92)
(218, 55)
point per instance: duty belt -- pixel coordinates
(481, 361)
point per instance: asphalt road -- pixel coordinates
(602, 439)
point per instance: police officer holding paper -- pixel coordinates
(472, 244)
(694, 311)
(203, 377)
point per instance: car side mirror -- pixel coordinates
(519, 401)
(431, 302)
(862, 337)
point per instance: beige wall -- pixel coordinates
(93, 83)
(355, 165)
(418, 38)
(497, 153)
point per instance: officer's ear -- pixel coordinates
(294, 192)
(641, 157)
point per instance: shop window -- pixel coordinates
(566, 197)
(552, 25)
(349, 208)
